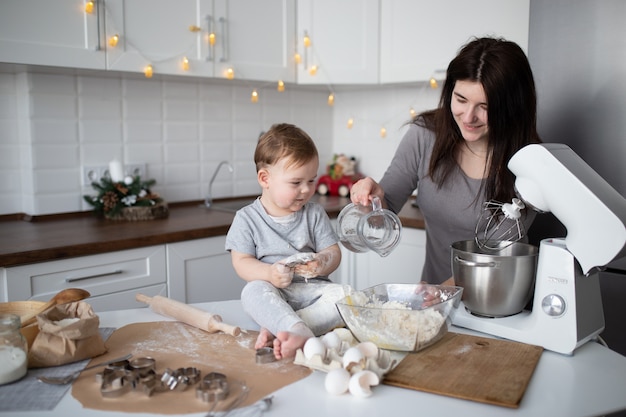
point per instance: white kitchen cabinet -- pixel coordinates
(113, 279)
(56, 33)
(344, 41)
(420, 37)
(255, 39)
(201, 270)
(403, 265)
(260, 39)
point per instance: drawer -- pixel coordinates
(125, 299)
(102, 274)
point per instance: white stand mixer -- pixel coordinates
(567, 305)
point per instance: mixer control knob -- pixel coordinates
(553, 305)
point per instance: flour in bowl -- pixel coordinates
(392, 324)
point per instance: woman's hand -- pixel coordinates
(364, 190)
(431, 294)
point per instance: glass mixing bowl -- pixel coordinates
(403, 317)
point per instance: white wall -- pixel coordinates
(54, 122)
(373, 108)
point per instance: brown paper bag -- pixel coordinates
(67, 333)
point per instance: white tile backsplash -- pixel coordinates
(143, 131)
(143, 110)
(100, 131)
(55, 131)
(50, 107)
(55, 157)
(53, 84)
(53, 124)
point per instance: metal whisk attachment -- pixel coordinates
(499, 224)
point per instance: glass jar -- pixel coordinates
(13, 349)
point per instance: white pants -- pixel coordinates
(279, 309)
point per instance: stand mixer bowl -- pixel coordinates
(496, 282)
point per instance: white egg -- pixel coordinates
(337, 381)
(352, 356)
(368, 349)
(331, 340)
(314, 346)
(360, 383)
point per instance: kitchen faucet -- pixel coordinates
(209, 200)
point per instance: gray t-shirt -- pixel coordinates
(450, 212)
(255, 233)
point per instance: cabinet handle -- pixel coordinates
(98, 40)
(306, 51)
(224, 57)
(116, 272)
(209, 24)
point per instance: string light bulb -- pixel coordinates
(350, 123)
(298, 58)
(331, 99)
(433, 83)
(211, 38)
(313, 70)
(412, 112)
(230, 73)
(185, 64)
(306, 40)
(255, 96)
(113, 40)
(383, 132)
(89, 7)
(148, 71)
(281, 86)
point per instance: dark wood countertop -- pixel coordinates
(47, 238)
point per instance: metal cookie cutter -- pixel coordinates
(115, 366)
(265, 355)
(213, 387)
(116, 382)
(181, 378)
(143, 367)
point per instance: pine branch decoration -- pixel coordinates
(113, 197)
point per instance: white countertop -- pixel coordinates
(592, 382)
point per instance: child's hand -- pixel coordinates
(313, 268)
(280, 274)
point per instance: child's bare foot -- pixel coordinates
(264, 339)
(287, 343)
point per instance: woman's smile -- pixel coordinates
(469, 108)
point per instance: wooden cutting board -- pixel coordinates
(491, 371)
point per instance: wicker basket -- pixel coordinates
(132, 214)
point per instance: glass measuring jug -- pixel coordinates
(361, 228)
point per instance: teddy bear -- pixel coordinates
(341, 174)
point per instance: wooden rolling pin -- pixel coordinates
(187, 314)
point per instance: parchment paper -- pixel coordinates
(176, 345)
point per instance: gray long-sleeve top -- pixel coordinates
(451, 212)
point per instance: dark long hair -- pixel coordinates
(504, 72)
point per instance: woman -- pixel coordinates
(456, 155)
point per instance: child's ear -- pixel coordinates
(263, 176)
